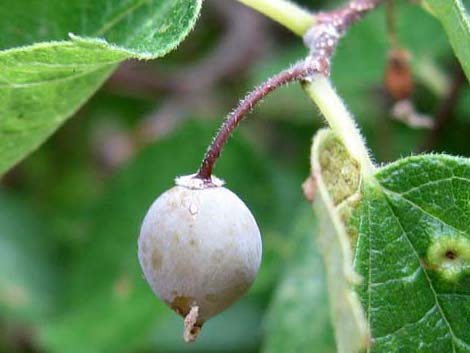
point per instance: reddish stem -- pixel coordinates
(298, 72)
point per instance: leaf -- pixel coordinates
(54, 56)
(298, 318)
(412, 216)
(409, 229)
(107, 300)
(456, 22)
(27, 274)
(337, 181)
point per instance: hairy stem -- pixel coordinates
(340, 120)
(297, 72)
(322, 39)
(284, 12)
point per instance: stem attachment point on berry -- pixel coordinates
(195, 182)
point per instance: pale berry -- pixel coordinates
(200, 249)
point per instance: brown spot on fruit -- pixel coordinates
(217, 256)
(182, 305)
(175, 239)
(211, 298)
(145, 248)
(156, 260)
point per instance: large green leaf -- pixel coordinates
(298, 320)
(108, 306)
(413, 251)
(456, 21)
(55, 54)
(409, 229)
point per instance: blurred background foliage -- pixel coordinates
(70, 213)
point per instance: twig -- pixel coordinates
(299, 71)
(285, 12)
(329, 27)
(445, 111)
(322, 40)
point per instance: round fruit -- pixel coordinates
(200, 249)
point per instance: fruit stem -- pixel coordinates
(299, 71)
(320, 90)
(286, 13)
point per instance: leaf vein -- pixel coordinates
(423, 210)
(55, 80)
(432, 182)
(409, 278)
(421, 319)
(117, 18)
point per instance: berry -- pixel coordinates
(200, 249)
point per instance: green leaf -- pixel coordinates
(413, 251)
(456, 22)
(298, 320)
(337, 181)
(107, 300)
(409, 229)
(27, 274)
(54, 56)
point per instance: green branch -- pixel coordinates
(340, 120)
(284, 12)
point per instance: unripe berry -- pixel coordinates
(200, 249)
